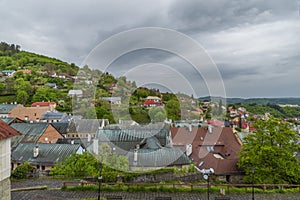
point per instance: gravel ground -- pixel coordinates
(53, 193)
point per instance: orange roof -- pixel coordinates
(7, 131)
(41, 104)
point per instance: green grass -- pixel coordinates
(172, 189)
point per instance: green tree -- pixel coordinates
(271, 151)
(77, 166)
(22, 97)
(157, 114)
(173, 109)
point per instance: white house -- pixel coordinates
(6, 132)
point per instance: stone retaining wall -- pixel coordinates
(5, 189)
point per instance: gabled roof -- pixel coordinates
(85, 125)
(30, 132)
(152, 102)
(127, 139)
(6, 131)
(49, 154)
(162, 157)
(41, 104)
(31, 113)
(52, 115)
(214, 147)
(10, 120)
(61, 127)
(6, 108)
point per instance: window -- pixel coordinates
(210, 148)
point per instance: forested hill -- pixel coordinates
(259, 101)
(12, 58)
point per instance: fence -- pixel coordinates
(191, 187)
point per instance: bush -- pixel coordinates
(22, 171)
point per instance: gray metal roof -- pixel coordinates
(6, 108)
(8, 120)
(159, 157)
(52, 115)
(85, 125)
(30, 132)
(128, 138)
(61, 127)
(49, 154)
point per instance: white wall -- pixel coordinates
(4, 159)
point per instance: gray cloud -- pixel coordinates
(254, 43)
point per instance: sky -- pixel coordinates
(252, 45)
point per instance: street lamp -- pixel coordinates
(99, 179)
(252, 170)
(206, 174)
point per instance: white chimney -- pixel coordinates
(210, 128)
(36, 151)
(190, 128)
(188, 149)
(96, 146)
(72, 141)
(135, 156)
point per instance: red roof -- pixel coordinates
(223, 141)
(215, 122)
(152, 102)
(7, 131)
(42, 104)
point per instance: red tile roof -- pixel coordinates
(41, 104)
(152, 102)
(223, 141)
(6, 131)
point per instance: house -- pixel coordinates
(8, 73)
(43, 156)
(85, 128)
(52, 116)
(25, 71)
(209, 147)
(52, 85)
(50, 105)
(112, 100)
(6, 133)
(75, 93)
(149, 154)
(28, 113)
(35, 133)
(152, 101)
(61, 127)
(5, 109)
(10, 120)
(147, 147)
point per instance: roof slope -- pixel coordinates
(6, 131)
(159, 157)
(6, 108)
(49, 154)
(85, 125)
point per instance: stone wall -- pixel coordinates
(5, 189)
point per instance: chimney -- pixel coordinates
(135, 156)
(36, 151)
(189, 149)
(96, 146)
(72, 141)
(210, 128)
(190, 128)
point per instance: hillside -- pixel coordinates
(259, 101)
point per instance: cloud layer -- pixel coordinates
(255, 44)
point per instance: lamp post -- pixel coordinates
(252, 170)
(99, 179)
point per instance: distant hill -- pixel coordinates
(259, 101)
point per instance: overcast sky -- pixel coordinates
(255, 44)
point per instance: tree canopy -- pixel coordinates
(271, 151)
